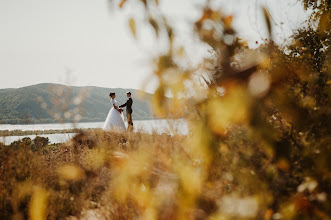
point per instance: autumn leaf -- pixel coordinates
(268, 20)
(132, 25)
(155, 25)
(38, 204)
(122, 3)
(71, 172)
(228, 21)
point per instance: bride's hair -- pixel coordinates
(111, 94)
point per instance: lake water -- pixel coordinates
(178, 126)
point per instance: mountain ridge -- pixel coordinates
(49, 103)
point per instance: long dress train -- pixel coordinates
(114, 120)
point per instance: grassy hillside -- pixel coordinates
(45, 103)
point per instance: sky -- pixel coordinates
(83, 43)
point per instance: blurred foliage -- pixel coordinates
(261, 116)
(258, 148)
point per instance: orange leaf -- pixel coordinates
(122, 3)
(228, 21)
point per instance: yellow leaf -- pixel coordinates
(181, 52)
(38, 204)
(132, 25)
(228, 110)
(192, 187)
(71, 172)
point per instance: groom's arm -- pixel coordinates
(121, 106)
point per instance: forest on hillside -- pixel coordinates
(52, 103)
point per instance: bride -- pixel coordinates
(114, 119)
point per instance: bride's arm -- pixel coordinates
(117, 108)
(112, 102)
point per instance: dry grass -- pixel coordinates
(86, 174)
(110, 175)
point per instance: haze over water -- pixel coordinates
(178, 126)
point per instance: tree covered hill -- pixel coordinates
(46, 103)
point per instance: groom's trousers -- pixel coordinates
(130, 123)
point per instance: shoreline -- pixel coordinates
(63, 128)
(70, 122)
(7, 133)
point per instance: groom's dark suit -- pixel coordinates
(128, 106)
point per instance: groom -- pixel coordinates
(128, 106)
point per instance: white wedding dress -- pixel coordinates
(114, 120)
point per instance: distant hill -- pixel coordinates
(47, 103)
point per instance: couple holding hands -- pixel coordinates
(115, 119)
